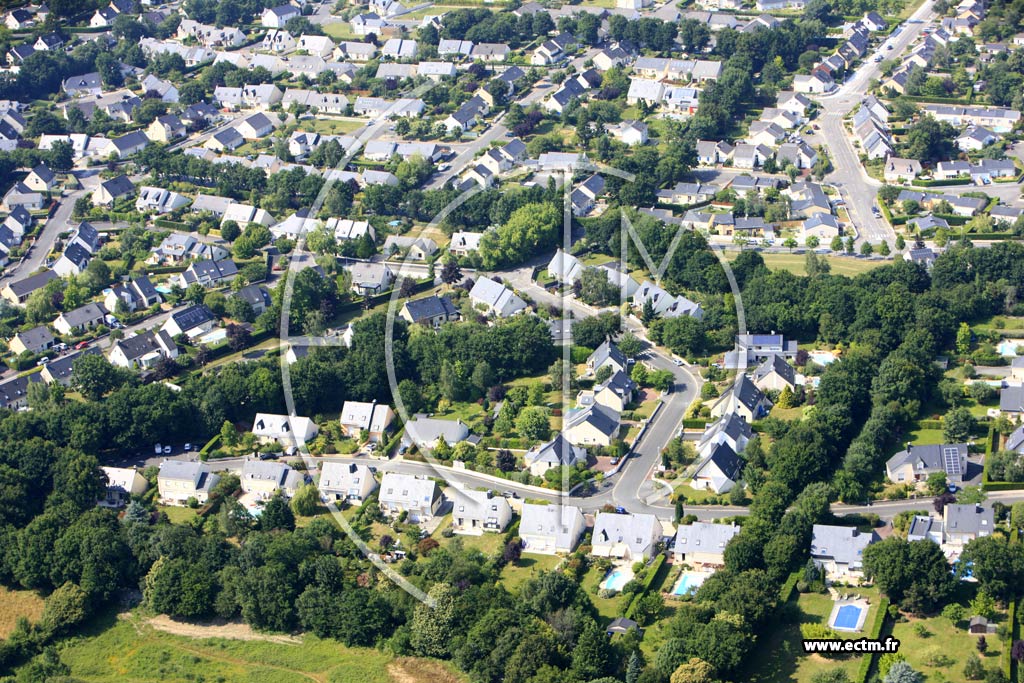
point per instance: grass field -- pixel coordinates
(941, 650)
(177, 514)
(512, 576)
(340, 30)
(784, 660)
(693, 495)
(131, 650)
(14, 604)
(330, 126)
(608, 608)
(794, 263)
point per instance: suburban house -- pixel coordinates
(593, 426)
(143, 350)
(348, 482)
(743, 398)
(719, 470)
(419, 497)
(432, 311)
(730, 429)
(476, 512)
(62, 368)
(664, 304)
(277, 17)
(555, 453)
(925, 528)
(40, 179)
(837, 550)
(369, 278)
(80, 319)
(122, 484)
(208, 273)
(964, 523)
(550, 529)
(616, 393)
(287, 430)
(18, 292)
(916, 463)
(607, 355)
(34, 341)
(702, 544)
(193, 322)
(495, 299)
(373, 418)
(134, 295)
(262, 479)
(14, 392)
(179, 481)
(631, 537)
(113, 189)
(424, 431)
(774, 374)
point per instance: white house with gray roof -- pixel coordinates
(495, 299)
(917, 463)
(555, 453)
(373, 417)
(424, 431)
(550, 529)
(178, 481)
(719, 470)
(631, 537)
(596, 425)
(838, 551)
(729, 429)
(703, 544)
(743, 398)
(477, 512)
(346, 481)
(287, 430)
(964, 523)
(419, 497)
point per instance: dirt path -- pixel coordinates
(412, 670)
(229, 631)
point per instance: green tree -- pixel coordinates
(694, 671)
(901, 243)
(64, 609)
(957, 425)
(94, 376)
(306, 501)
(532, 423)
(529, 230)
(836, 244)
(432, 624)
(963, 339)
(936, 483)
(277, 515)
(997, 565)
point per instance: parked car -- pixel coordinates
(42, 361)
(167, 450)
(158, 449)
(188, 447)
(81, 345)
(619, 510)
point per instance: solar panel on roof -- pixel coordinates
(951, 458)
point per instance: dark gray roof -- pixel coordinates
(84, 314)
(430, 307)
(1015, 440)
(77, 254)
(948, 458)
(193, 316)
(32, 283)
(60, 368)
(607, 351)
(746, 392)
(777, 364)
(119, 186)
(143, 343)
(44, 173)
(15, 390)
(726, 460)
(254, 295)
(602, 418)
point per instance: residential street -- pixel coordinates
(857, 188)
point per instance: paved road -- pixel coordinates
(857, 188)
(56, 224)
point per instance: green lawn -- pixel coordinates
(783, 659)
(340, 30)
(177, 514)
(512, 576)
(695, 496)
(131, 650)
(794, 263)
(940, 654)
(431, 11)
(608, 608)
(926, 437)
(330, 126)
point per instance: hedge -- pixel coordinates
(1009, 663)
(171, 225)
(652, 572)
(868, 662)
(695, 423)
(986, 484)
(786, 592)
(932, 183)
(929, 424)
(205, 450)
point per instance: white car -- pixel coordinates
(158, 449)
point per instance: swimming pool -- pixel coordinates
(688, 582)
(848, 617)
(213, 336)
(1008, 347)
(822, 357)
(617, 579)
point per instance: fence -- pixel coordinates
(868, 662)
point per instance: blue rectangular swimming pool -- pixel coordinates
(847, 618)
